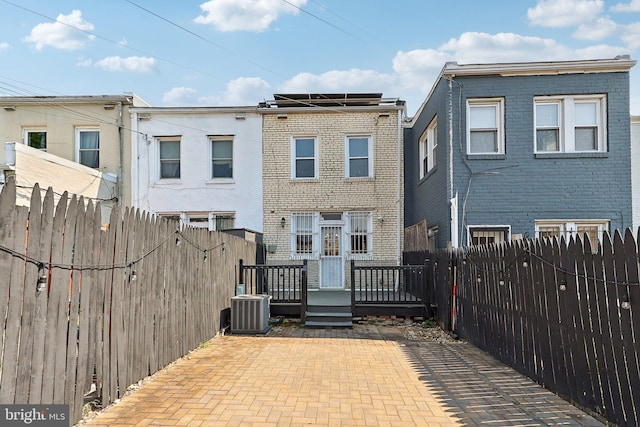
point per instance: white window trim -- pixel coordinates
(427, 147)
(213, 138)
(362, 257)
(369, 156)
(316, 158)
(566, 121)
(487, 102)
(496, 227)
(26, 131)
(569, 227)
(79, 129)
(315, 236)
(158, 174)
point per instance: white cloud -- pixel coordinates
(134, 64)
(503, 47)
(353, 80)
(5, 46)
(245, 91)
(181, 96)
(84, 62)
(241, 91)
(245, 15)
(597, 30)
(601, 51)
(66, 33)
(631, 35)
(564, 13)
(633, 6)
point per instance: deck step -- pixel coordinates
(319, 324)
(323, 316)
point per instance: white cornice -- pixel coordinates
(617, 64)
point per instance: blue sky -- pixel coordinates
(240, 52)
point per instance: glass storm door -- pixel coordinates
(331, 263)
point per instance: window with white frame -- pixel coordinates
(359, 162)
(212, 221)
(360, 233)
(304, 158)
(36, 138)
(302, 229)
(221, 157)
(570, 124)
(428, 148)
(484, 235)
(88, 147)
(169, 149)
(595, 229)
(485, 127)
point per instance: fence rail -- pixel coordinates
(565, 314)
(82, 307)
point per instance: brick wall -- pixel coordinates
(332, 192)
(518, 188)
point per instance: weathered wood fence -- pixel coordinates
(82, 307)
(562, 313)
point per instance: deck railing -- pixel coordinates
(285, 284)
(399, 286)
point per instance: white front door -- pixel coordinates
(331, 262)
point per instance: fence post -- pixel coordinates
(353, 286)
(241, 272)
(426, 298)
(303, 306)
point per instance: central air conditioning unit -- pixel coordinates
(250, 314)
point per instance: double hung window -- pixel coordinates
(304, 158)
(88, 147)
(428, 148)
(221, 157)
(360, 232)
(485, 127)
(570, 124)
(169, 158)
(302, 228)
(358, 154)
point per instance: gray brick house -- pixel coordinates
(502, 151)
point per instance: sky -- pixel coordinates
(241, 52)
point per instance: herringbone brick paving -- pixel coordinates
(366, 376)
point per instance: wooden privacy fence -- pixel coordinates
(564, 314)
(82, 307)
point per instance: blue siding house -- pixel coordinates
(503, 151)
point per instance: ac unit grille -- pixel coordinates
(250, 314)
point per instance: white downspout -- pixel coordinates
(121, 155)
(135, 172)
(453, 200)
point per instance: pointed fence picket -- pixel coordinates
(85, 308)
(566, 314)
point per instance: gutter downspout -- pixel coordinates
(135, 173)
(121, 154)
(453, 220)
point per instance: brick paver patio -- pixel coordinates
(366, 376)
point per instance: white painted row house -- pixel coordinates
(202, 165)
